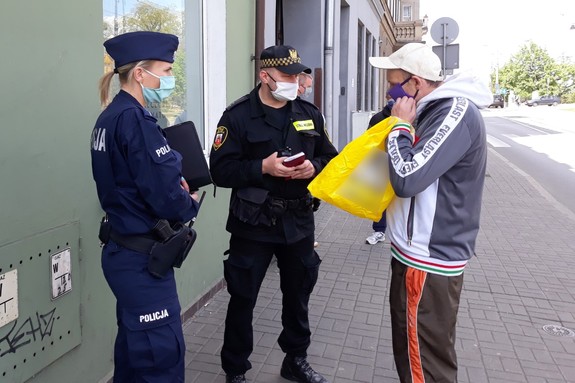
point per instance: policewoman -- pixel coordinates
(270, 209)
(139, 186)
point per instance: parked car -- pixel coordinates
(544, 100)
(498, 101)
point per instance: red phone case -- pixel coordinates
(296, 159)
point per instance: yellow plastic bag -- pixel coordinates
(357, 179)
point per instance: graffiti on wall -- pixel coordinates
(31, 330)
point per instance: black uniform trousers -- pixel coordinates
(244, 272)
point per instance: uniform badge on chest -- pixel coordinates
(303, 125)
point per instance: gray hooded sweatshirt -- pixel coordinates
(438, 178)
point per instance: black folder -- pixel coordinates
(184, 139)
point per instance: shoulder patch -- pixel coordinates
(238, 101)
(220, 138)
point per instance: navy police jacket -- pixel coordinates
(137, 174)
(244, 137)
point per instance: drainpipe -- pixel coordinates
(328, 63)
(260, 26)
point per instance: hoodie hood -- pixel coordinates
(460, 85)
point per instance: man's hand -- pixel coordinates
(186, 187)
(303, 171)
(273, 166)
(404, 108)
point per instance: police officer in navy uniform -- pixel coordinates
(139, 185)
(270, 209)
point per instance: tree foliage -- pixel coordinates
(150, 17)
(146, 16)
(532, 69)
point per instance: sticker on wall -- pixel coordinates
(8, 297)
(61, 273)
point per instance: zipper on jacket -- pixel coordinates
(410, 221)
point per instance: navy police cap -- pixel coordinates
(284, 58)
(142, 45)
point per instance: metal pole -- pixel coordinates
(116, 18)
(329, 75)
(444, 47)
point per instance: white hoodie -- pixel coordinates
(463, 84)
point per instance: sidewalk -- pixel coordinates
(520, 281)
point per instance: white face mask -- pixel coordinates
(285, 91)
(307, 92)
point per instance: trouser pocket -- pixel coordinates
(240, 281)
(154, 336)
(158, 348)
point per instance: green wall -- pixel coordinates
(240, 45)
(52, 58)
(51, 61)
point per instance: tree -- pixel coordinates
(150, 17)
(179, 70)
(533, 70)
(566, 82)
(147, 16)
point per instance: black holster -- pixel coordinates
(105, 230)
(172, 252)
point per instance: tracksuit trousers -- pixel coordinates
(424, 310)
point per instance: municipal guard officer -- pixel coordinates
(270, 209)
(140, 186)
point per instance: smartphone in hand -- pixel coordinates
(295, 160)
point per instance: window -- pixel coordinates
(406, 13)
(394, 9)
(366, 78)
(373, 82)
(391, 4)
(368, 72)
(168, 16)
(360, 65)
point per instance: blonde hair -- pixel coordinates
(124, 74)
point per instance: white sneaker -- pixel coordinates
(376, 237)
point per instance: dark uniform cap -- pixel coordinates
(137, 46)
(284, 58)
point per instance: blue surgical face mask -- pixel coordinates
(167, 85)
(397, 91)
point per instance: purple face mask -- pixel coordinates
(397, 91)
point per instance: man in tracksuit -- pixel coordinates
(437, 160)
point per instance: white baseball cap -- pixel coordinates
(415, 58)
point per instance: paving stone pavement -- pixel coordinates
(520, 281)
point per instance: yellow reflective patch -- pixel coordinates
(303, 125)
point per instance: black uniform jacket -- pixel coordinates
(381, 115)
(245, 136)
